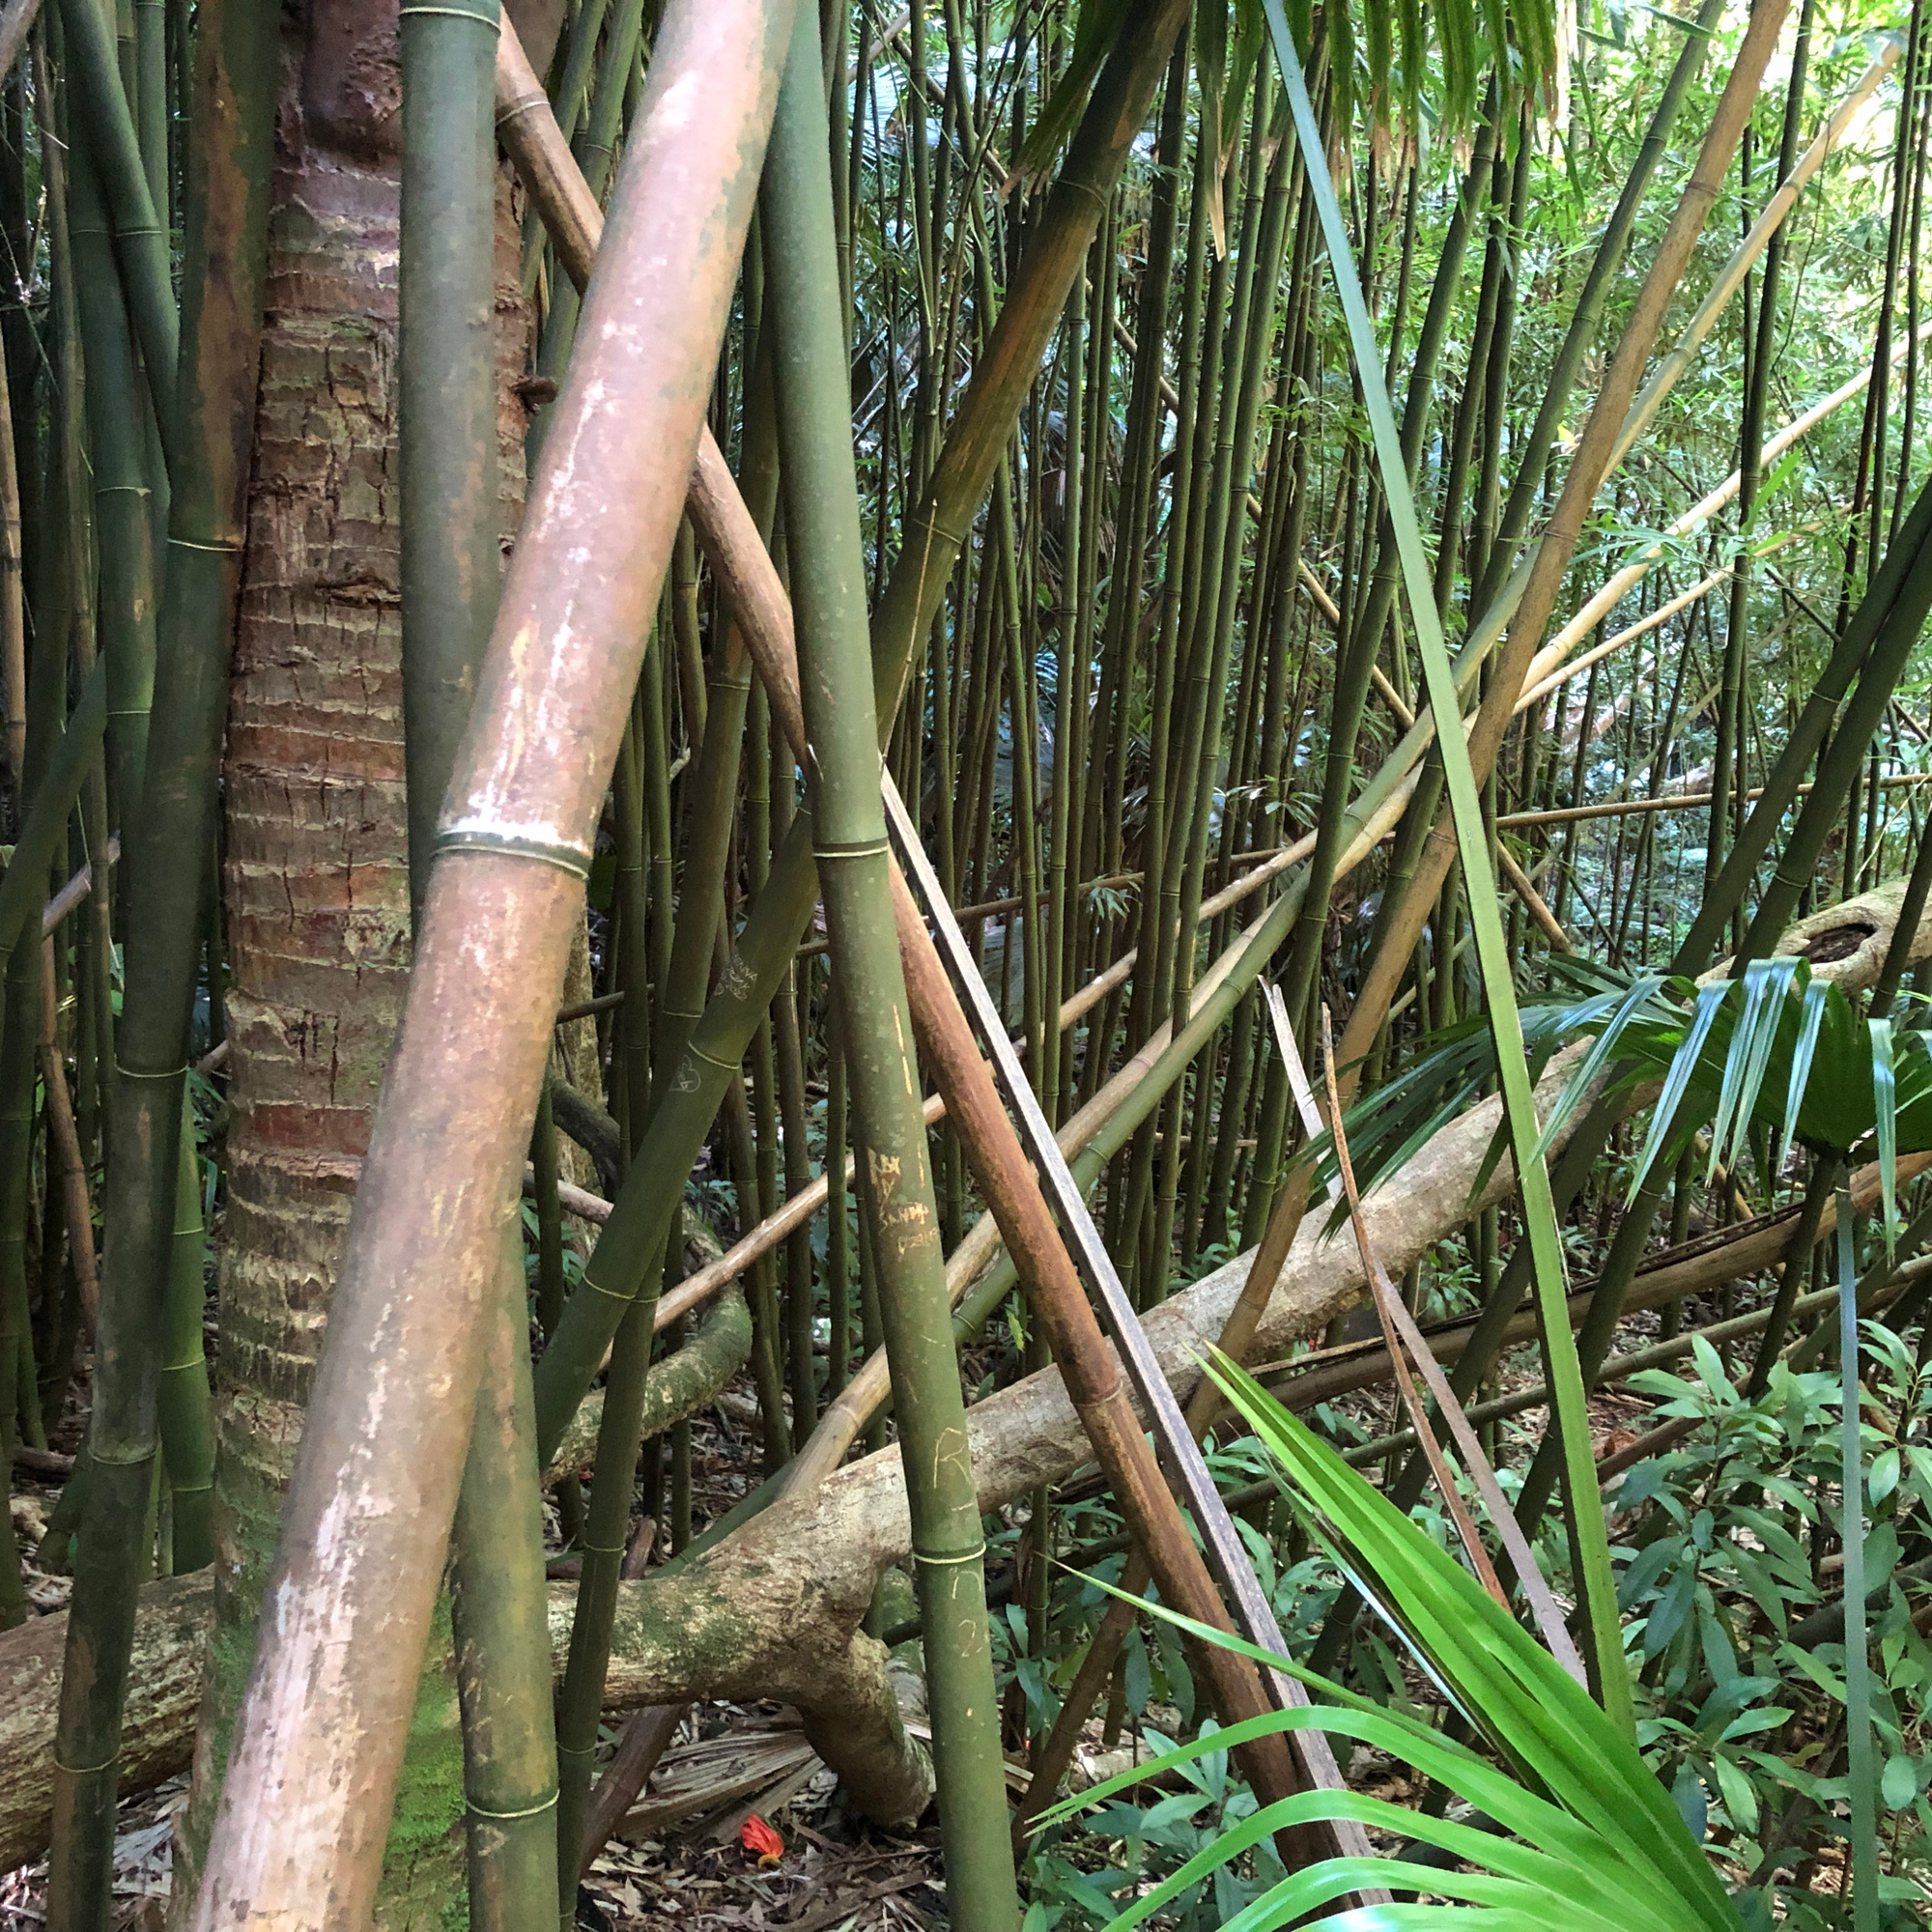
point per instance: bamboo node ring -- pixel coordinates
(863, 848)
(572, 859)
(490, 20)
(971, 1555)
(535, 1810)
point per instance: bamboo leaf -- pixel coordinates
(1812, 1018)
(1752, 1039)
(1601, 1048)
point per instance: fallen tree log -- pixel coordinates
(774, 1611)
(1695, 1268)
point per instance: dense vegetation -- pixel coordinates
(534, 745)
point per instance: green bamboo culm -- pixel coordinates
(763, 949)
(51, 773)
(168, 839)
(500, 1612)
(450, 572)
(662, 1103)
(141, 241)
(17, 1017)
(452, 558)
(23, 885)
(596, 147)
(895, 1187)
(122, 494)
(187, 1415)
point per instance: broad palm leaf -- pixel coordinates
(1772, 1057)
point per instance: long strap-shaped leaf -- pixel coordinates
(1859, 1755)
(1565, 1375)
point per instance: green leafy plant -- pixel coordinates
(1567, 1824)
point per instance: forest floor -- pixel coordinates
(680, 1857)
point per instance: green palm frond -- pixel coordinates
(1762, 1061)
(1576, 1832)
(1459, 1068)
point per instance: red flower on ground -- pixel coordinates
(758, 1837)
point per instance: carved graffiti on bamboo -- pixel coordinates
(903, 1219)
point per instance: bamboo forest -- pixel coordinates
(784, 1145)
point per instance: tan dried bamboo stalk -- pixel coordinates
(63, 1141)
(1682, 801)
(1012, 1191)
(751, 587)
(16, 22)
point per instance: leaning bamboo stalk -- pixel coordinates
(16, 22)
(734, 547)
(1019, 1208)
(296, 1839)
(1539, 679)
(1097, 1667)
(65, 1151)
(861, 1511)
(1906, 566)
(1136, 1081)
(1327, 1374)
(23, 885)
(76, 890)
(1682, 801)
(1380, 804)
(1845, 124)
(1542, 684)
(1019, 1211)
(974, 446)
(1019, 1436)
